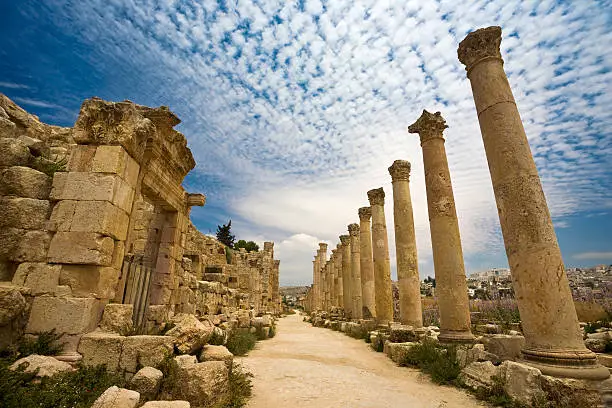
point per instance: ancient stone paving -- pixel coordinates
(308, 367)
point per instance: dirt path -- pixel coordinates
(309, 367)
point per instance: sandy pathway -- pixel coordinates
(305, 366)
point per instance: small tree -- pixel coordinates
(224, 234)
(250, 246)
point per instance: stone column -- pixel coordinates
(355, 271)
(323, 283)
(333, 279)
(315, 283)
(405, 246)
(451, 286)
(340, 286)
(553, 342)
(366, 264)
(383, 294)
(346, 275)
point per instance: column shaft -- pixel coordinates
(356, 271)
(340, 282)
(346, 275)
(366, 264)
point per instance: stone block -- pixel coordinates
(504, 346)
(100, 348)
(145, 350)
(166, 404)
(147, 381)
(189, 333)
(402, 334)
(41, 278)
(84, 186)
(101, 217)
(202, 384)
(32, 246)
(130, 173)
(596, 345)
(81, 158)
(123, 195)
(90, 281)
(43, 366)
(521, 382)
(109, 159)
(86, 248)
(217, 353)
(65, 315)
(117, 318)
(62, 216)
(14, 152)
(479, 375)
(25, 182)
(25, 213)
(116, 397)
(398, 352)
(7, 128)
(13, 315)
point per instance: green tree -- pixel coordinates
(224, 234)
(250, 246)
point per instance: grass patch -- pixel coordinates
(240, 389)
(240, 342)
(437, 361)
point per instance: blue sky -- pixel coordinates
(293, 110)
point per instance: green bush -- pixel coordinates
(216, 339)
(272, 332)
(170, 369)
(437, 361)
(76, 389)
(240, 389)
(240, 342)
(45, 344)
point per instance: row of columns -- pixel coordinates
(362, 284)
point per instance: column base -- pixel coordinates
(455, 337)
(578, 364)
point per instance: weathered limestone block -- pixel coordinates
(202, 384)
(109, 159)
(398, 352)
(43, 366)
(467, 355)
(27, 246)
(36, 146)
(577, 393)
(88, 280)
(596, 345)
(7, 128)
(87, 248)
(217, 353)
(521, 381)
(41, 278)
(25, 182)
(144, 350)
(147, 381)
(101, 217)
(402, 334)
(12, 304)
(166, 404)
(99, 348)
(117, 318)
(479, 374)
(65, 315)
(116, 397)
(504, 346)
(26, 213)
(14, 152)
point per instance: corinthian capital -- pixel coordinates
(365, 213)
(376, 196)
(428, 126)
(322, 246)
(345, 239)
(478, 45)
(400, 170)
(353, 230)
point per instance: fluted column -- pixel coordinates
(405, 246)
(366, 264)
(346, 275)
(451, 285)
(553, 342)
(355, 271)
(340, 279)
(383, 294)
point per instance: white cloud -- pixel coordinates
(593, 256)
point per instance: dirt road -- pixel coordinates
(309, 367)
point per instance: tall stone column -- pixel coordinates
(405, 246)
(333, 279)
(451, 285)
(340, 286)
(355, 271)
(316, 276)
(346, 275)
(383, 294)
(366, 264)
(553, 342)
(322, 262)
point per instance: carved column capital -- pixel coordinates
(400, 170)
(353, 230)
(429, 126)
(480, 45)
(365, 213)
(322, 246)
(345, 239)
(376, 196)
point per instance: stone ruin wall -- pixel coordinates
(65, 236)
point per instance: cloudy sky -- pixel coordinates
(293, 110)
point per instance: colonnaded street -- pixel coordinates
(311, 367)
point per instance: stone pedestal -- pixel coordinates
(346, 275)
(405, 246)
(451, 286)
(355, 271)
(366, 264)
(553, 340)
(380, 255)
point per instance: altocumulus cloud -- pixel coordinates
(296, 109)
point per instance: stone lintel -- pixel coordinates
(195, 199)
(365, 213)
(479, 45)
(376, 196)
(400, 170)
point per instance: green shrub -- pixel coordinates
(76, 389)
(437, 361)
(45, 344)
(50, 166)
(272, 332)
(240, 388)
(216, 339)
(240, 342)
(170, 369)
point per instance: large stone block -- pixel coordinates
(132, 169)
(62, 216)
(109, 159)
(23, 181)
(43, 366)
(14, 152)
(145, 351)
(40, 277)
(84, 186)
(90, 281)
(504, 346)
(398, 352)
(123, 195)
(100, 348)
(147, 381)
(521, 382)
(479, 375)
(26, 213)
(81, 157)
(217, 353)
(65, 315)
(13, 314)
(116, 397)
(117, 318)
(202, 384)
(31, 246)
(101, 217)
(189, 333)
(87, 248)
